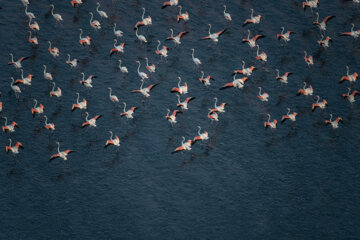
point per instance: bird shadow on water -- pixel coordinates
(111, 163)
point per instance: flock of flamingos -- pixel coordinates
(182, 88)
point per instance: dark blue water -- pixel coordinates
(300, 181)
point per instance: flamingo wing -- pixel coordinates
(227, 86)
(328, 18)
(54, 156)
(257, 37)
(22, 59)
(182, 34)
(97, 117)
(189, 99)
(220, 32)
(152, 86)
(178, 149)
(85, 124)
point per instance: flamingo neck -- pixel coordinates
(58, 147)
(53, 87)
(209, 29)
(158, 46)
(142, 83)
(77, 100)
(35, 103)
(199, 126)
(142, 17)
(91, 17)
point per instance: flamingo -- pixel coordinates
(201, 136)
(213, 36)
(283, 78)
(251, 41)
(213, 115)
(56, 93)
(172, 118)
(101, 13)
(324, 43)
(16, 64)
(322, 25)
(113, 98)
(151, 68)
(354, 34)
(84, 41)
(254, 20)
(11, 127)
(25, 81)
(272, 124)
(284, 36)
(180, 89)
(88, 81)
(118, 48)
(129, 113)
(205, 81)
(141, 38)
(49, 126)
(311, 4)
(14, 149)
(306, 91)
(218, 108)
(117, 33)
(351, 97)
(123, 69)
(195, 60)
(38, 110)
(348, 77)
(112, 141)
(245, 71)
(184, 104)
(262, 56)
(176, 39)
(57, 16)
(291, 116)
(95, 24)
(263, 96)
(142, 75)
(47, 75)
(335, 123)
(53, 51)
(62, 154)
(185, 146)
(144, 21)
(163, 51)
(33, 40)
(80, 105)
(15, 88)
(308, 60)
(76, 3)
(34, 26)
(170, 3)
(227, 15)
(236, 83)
(183, 16)
(90, 122)
(144, 91)
(29, 14)
(318, 104)
(72, 63)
